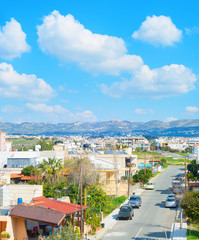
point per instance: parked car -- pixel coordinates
(126, 212)
(135, 201)
(171, 202)
(177, 190)
(149, 186)
(171, 195)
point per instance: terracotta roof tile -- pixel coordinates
(64, 207)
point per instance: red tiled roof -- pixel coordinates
(38, 213)
(64, 207)
(15, 175)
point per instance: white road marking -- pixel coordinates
(115, 234)
(138, 233)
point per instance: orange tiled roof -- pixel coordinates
(16, 175)
(60, 206)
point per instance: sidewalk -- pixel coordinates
(111, 219)
(179, 234)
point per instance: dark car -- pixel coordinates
(126, 212)
(135, 201)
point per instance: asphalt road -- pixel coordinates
(152, 220)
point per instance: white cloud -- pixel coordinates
(9, 109)
(68, 40)
(192, 109)
(170, 119)
(192, 30)
(142, 111)
(158, 30)
(22, 86)
(58, 113)
(157, 83)
(12, 40)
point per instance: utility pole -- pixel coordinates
(129, 180)
(185, 168)
(145, 164)
(81, 221)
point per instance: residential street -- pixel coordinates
(152, 220)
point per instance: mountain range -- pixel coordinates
(183, 128)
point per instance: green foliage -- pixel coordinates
(45, 145)
(138, 149)
(119, 200)
(190, 204)
(25, 149)
(72, 192)
(66, 233)
(28, 171)
(141, 177)
(163, 161)
(98, 198)
(58, 141)
(188, 149)
(51, 166)
(193, 168)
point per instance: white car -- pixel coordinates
(149, 186)
(171, 202)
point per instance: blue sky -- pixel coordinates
(70, 61)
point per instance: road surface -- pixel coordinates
(152, 220)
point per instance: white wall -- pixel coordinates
(9, 194)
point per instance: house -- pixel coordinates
(41, 215)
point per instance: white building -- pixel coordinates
(2, 141)
(195, 152)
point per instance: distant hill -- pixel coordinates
(183, 128)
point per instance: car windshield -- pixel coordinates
(149, 183)
(170, 200)
(134, 198)
(125, 209)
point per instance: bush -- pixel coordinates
(141, 177)
(190, 204)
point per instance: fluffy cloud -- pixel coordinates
(22, 86)
(192, 109)
(12, 40)
(143, 111)
(68, 40)
(58, 113)
(157, 83)
(158, 31)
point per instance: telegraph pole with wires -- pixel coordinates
(129, 180)
(81, 221)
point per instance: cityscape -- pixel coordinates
(99, 120)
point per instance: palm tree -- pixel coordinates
(51, 166)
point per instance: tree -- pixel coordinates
(51, 166)
(190, 204)
(98, 200)
(141, 177)
(163, 161)
(45, 145)
(28, 171)
(193, 168)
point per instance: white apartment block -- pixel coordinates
(2, 141)
(195, 152)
